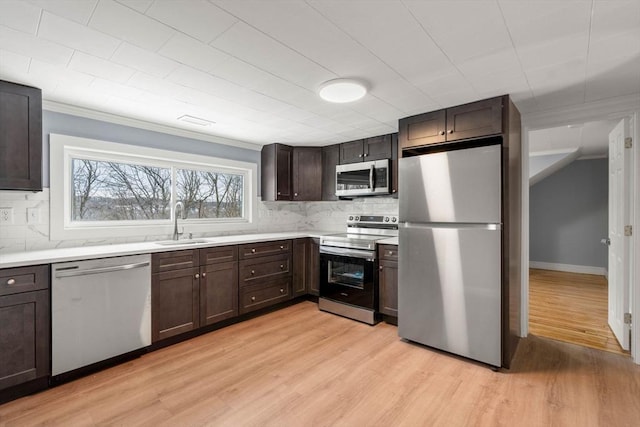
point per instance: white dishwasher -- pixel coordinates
(101, 308)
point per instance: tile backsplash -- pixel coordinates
(23, 235)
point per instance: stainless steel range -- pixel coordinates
(349, 267)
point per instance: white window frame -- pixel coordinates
(63, 148)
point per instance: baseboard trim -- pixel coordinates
(569, 268)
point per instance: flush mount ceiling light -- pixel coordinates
(195, 120)
(342, 90)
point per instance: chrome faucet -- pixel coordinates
(183, 212)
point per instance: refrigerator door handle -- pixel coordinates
(481, 226)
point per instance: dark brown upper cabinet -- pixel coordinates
(276, 176)
(468, 121)
(330, 158)
(20, 137)
(291, 173)
(307, 173)
(362, 150)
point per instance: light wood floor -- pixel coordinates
(300, 367)
(571, 307)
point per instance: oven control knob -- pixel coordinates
(394, 219)
(350, 217)
(386, 219)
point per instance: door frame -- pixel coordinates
(612, 108)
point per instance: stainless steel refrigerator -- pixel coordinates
(449, 292)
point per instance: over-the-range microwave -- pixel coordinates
(363, 179)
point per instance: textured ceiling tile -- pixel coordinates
(197, 18)
(76, 36)
(13, 65)
(75, 10)
(194, 53)
(138, 5)
(143, 60)
(246, 43)
(98, 67)
(44, 50)
(126, 24)
(19, 15)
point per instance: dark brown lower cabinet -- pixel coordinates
(306, 267)
(264, 278)
(218, 292)
(24, 325)
(388, 280)
(174, 302)
(260, 295)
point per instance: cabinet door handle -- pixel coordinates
(197, 276)
(365, 154)
(450, 131)
(281, 291)
(281, 246)
(11, 281)
(278, 193)
(441, 132)
(204, 274)
(295, 194)
(360, 155)
(253, 272)
(281, 266)
(253, 298)
(380, 268)
(253, 250)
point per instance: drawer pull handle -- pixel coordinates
(253, 298)
(253, 272)
(204, 274)
(281, 246)
(281, 291)
(390, 252)
(281, 266)
(253, 250)
(197, 276)
(11, 282)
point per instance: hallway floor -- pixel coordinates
(571, 307)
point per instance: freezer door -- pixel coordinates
(452, 186)
(449, 292)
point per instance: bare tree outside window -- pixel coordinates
(207, 194)
(111, 191)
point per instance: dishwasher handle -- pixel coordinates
(73, 271)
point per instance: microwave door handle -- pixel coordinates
(371, 172)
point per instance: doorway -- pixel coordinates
(567, 288)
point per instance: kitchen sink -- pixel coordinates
(181, 242)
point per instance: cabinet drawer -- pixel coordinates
(271, 267)
(217, 255)
(24, 279)
(258, 296)
(253, 250)
(388, 252)
(174, 260)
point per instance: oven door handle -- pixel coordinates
(354, 253)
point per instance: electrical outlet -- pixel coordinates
(33, 215)
(6, 215)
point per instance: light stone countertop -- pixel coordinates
(389, 241)
(21, 259)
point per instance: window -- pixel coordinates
(104, 189)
